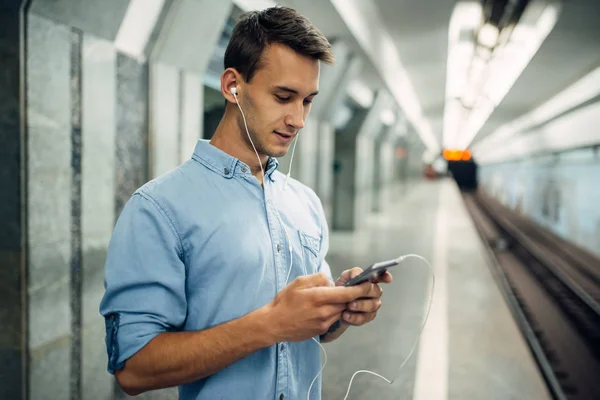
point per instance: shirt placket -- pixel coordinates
(280, 256)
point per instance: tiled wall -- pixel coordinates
(560, 193)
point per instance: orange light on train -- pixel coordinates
(400, 152)
(457, 155)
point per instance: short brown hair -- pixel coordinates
(257, 29)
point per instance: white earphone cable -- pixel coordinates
(248, 132)
(263, 176)
(414, 346)
(291, 162)
(400, 259)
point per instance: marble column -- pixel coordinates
(339, 76)
(49, 208)
(344, 188)
(378, 171)
(367, 159)
(132, 129)
(97, 205)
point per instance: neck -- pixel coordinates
(228, 137)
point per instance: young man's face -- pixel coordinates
(277, 100)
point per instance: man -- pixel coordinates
(215, 277)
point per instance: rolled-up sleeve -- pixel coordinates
(144, 279)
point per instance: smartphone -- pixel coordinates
(372, 272)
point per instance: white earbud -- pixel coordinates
(233, 91)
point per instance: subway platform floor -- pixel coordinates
(471, 348)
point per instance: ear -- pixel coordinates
(230, 79)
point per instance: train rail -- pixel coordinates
(553, 288)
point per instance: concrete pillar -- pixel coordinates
(190, 126)
(344, 187)
(347, 70)
(177, 64)
(354, 150)
(387, 166)
(413, 164)
(365, 154)
(379, 169)
(388, 157)
(330, 88)
(384, 161)
(304, 166)
(164, 116)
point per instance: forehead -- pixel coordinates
(280, 65)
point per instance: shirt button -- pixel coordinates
(244, 170)
(282, 347)
(226, 171)
(278, 248)
(281, 396)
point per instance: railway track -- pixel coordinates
(553, 289)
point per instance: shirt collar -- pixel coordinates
(223, 163)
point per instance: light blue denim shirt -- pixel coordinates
(203, 245)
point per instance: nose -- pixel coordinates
(295, 119)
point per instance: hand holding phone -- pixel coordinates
(373, 272)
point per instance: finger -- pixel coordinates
(350, 273)
(367, 306)
(334, 319)
(358, 319)
(385, 278)
(371, 290)
(354, 272)
(338, 294)
(333, 310)
(314, 280)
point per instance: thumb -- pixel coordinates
(348, 274)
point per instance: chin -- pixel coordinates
(278, 152)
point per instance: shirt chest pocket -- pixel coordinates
(310, 247)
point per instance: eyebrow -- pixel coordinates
(290, 90)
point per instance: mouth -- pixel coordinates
(287, 137)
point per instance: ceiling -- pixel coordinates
(419, 29)
(569, 52)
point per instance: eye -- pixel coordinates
(307, 101)
(280, 98)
